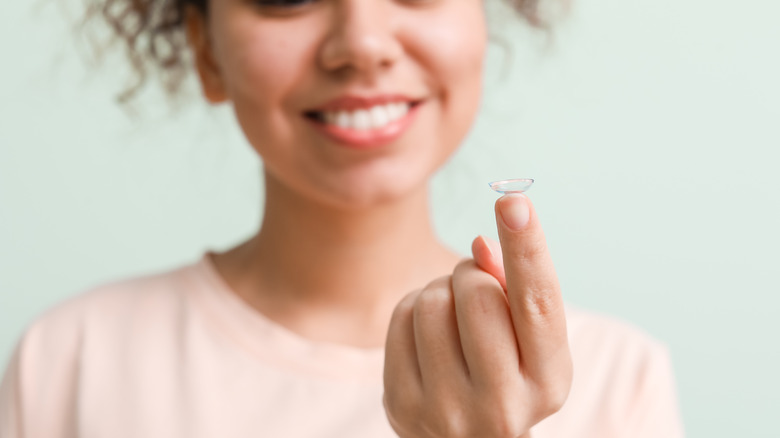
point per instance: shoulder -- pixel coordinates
(602, 333)
(86, 336)
(103, 310)
(115, 299)
(623, 377)
(615, 353)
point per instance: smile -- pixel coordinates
(375, 117)
(364, 123)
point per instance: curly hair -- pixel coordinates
(152, 33)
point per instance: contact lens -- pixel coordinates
(517, 185)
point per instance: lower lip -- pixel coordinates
(370, 138)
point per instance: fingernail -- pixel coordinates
(514, 210)
(486, 242)
(494, 247)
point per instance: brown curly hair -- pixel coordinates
(152, 33)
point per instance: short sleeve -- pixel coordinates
(37, 396)
(623, 385)
(9, 399)
(656, 411)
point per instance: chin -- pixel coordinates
(400, 172)
(368, 193)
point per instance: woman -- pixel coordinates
(344, 316)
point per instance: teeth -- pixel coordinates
(342, 118)
(361, 120)
(375, 117)
(380, 115)
(397, 110)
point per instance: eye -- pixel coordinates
(283, 3)
(282, 8)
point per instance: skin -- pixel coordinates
(479, 348)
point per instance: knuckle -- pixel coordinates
(406, 305)
(503, 424)
(450, 424)
(397, 404)
(508, 409)
(465, 265)
(403, 311)
(467, 271)
(506, 414)
(442, 282)
(552, 398)
(476, 288)
(434, 299)
(402, 413)
(543, 303)
(445, 415)
(482, 298)
(505, 427)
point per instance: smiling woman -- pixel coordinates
(344, 315)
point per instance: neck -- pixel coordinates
(312, 258)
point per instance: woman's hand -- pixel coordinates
(482, 352)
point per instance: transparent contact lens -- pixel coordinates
(517, 185)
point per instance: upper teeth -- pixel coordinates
(365, 119)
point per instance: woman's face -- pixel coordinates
(351, 102)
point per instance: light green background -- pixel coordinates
(652, 128)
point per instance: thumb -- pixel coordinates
(487, 255)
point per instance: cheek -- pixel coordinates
(455, 52)
(451, 43)
(450, 48)
(261, 62)
(263, 66)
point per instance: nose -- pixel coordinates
(361, 38)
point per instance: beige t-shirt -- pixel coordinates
(178, 354)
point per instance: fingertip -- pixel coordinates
(478, 243)
(487, 255)
(514, 210)
(480, 250)
(495, 249)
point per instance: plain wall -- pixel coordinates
(651, 127)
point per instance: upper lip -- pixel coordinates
(355, 102)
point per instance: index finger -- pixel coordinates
(533, 290)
